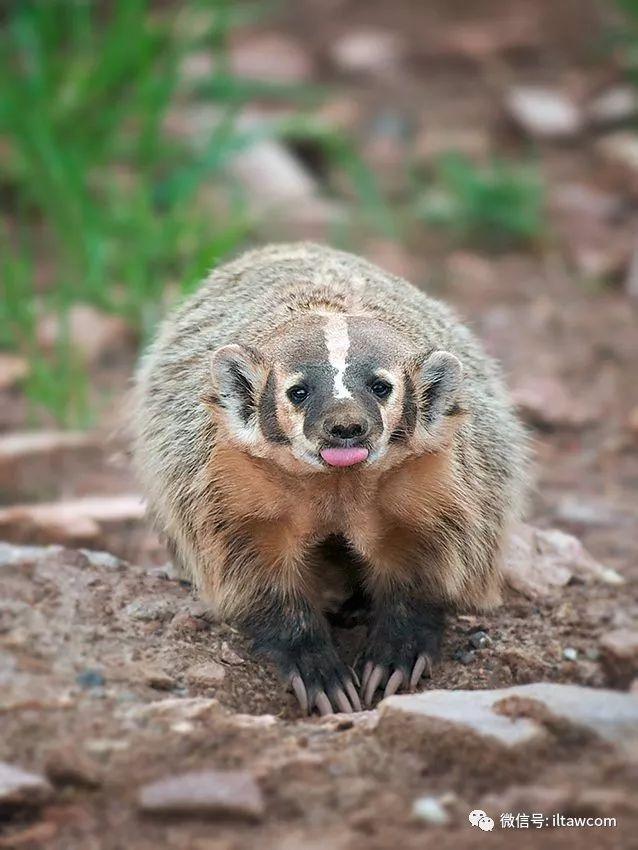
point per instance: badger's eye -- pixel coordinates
(381, 389)
(297, 394)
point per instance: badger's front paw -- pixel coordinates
(318, 678)
(404, 641)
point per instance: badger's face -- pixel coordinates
(331, 391)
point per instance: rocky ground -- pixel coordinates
(129, 719)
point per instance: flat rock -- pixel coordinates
(619, 655)
(539, 561)
(206, 675)
(20, 788)
(543, 113)
(73, 522)
(213, 793)
(468, 711)
(610, 715)
(34, 461)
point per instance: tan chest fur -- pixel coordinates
(379, 515)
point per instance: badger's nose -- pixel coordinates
(346, 430)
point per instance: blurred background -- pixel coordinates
(485, 150)
(487, 153)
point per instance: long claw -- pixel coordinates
(367, 670)
(323, 704)
(353, 673)
(354, 696)
(373, 683)
(342, 702)
(300, 692)
(417, 671)
(394, 683)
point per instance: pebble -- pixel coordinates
(66, 766)
(430, 810)
(157, 678)
(543, 113)
(480, 640)
(229, 656)
(464, 657)
(206, 675)
(20, 788)
(619, 656)
(228, 794)
(368, 52)
(90, 678)
(570, 654)
(151, 609)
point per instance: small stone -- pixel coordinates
(368, 52)
(613, 107)
(90, 678)
(67, 766)
(213, 793)
(21, 788)
(480, 640)
(206, 675)
(464, 657)
(184, 624)
(229, 656)
(157, 678)
(151, 609)
(542, 113)
(619, 655)
(430, 810)
(570, 654)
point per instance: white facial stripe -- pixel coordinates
(338, 343)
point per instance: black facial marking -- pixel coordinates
(268, 421)
(319, 378)
(245, 392)
(409, 414)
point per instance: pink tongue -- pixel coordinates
(344, 457)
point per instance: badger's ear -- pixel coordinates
(437, 384)
(238, 373)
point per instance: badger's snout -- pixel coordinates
(342, 430)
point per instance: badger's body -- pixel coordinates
(304, 401)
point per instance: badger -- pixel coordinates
(308, 428)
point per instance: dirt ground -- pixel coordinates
(101, 658)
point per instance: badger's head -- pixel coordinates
(331, 391)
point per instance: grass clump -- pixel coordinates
(497, 206)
